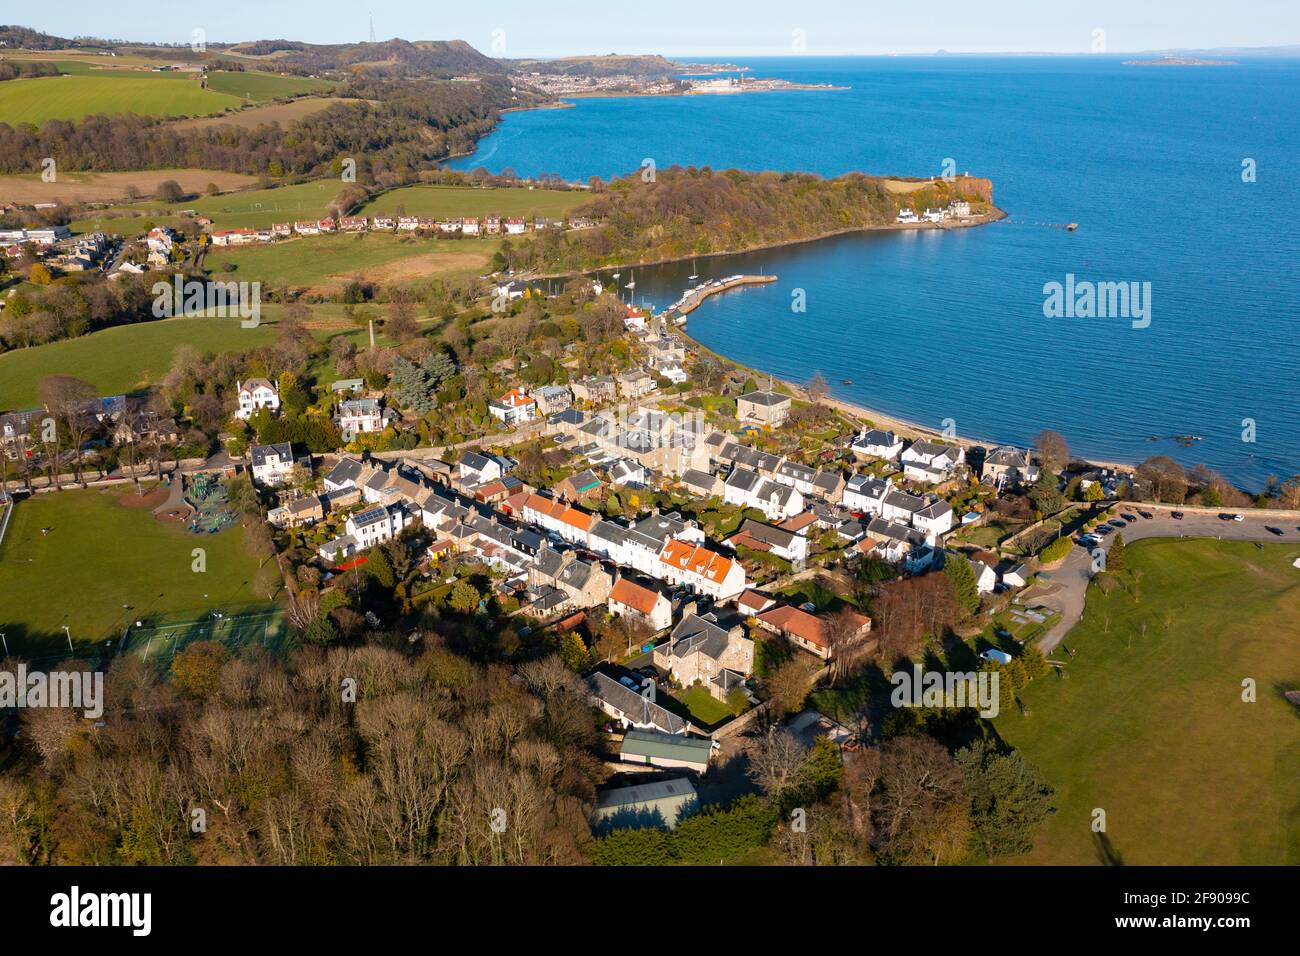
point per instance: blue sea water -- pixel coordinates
(933, 326)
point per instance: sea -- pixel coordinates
(1180, 179)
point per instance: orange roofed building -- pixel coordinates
(707, 572)
(629, 599)
(514, 407)
(571, 524)
(805, 630)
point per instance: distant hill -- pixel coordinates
(426, 58)
(611, 64)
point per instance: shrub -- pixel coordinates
(1055, 551)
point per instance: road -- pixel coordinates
(1068, 587)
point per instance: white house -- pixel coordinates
(479, 469)
(271, 464)
(254, 394)
(631, 600)
(627, 471)
(932, 462)
(359, 416)
(514, 407)
(933, 520)
(705, 571)
(866, 493)
(748, 489)
(875, 443)
(756, 536)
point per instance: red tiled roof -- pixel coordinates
(699, 560)
(641, 600)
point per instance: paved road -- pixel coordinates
(1069, 583)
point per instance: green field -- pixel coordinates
(72, 97)
(256, 86)
(327, 263)
(444, 202)
(252, 208)
(1150, 725)
(100, 555)
(123, 358)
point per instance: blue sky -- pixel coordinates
(701, 27)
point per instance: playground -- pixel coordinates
(209, 507)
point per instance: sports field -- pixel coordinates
(72, 97)
(327, 263)
(257, 86)
(448, 201)
(1150, 725)
(101, 554)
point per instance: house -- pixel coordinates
(281, 230)
(701, 483)
(932, 462)
(763, 408)
(513, 408)
(630, 708)
(367, 529)
(757, 536)
(985, 577)
(576, 487)
(865, 493)
(254, 394)
(752, 603)
(875, 443)
(234, 237)
(635, 319)
(934, 520)
(407, 223)
(636, 383)
(515, 227)
(631, 600)
(676, 751)
(476, 469)
(585, 583)
(934, 215)
(385, 223)
(301, 511)
(552, 399)
(626, 472)
(271, 463)
(344, 475)
(160, 240)
(700, 651)
(350, 386)
(703, 570)
(1015, 575)
(308, 227)
(806, 630)
(359, 416)
(469, 227)
(353, 223)
(959, 209)
(597, 390)
(659, 804)
(570, 524)
(1008, 466)
(748, 489)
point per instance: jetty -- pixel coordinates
(692, 298)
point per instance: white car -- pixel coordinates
(1238, 517)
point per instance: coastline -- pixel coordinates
(878, 419)
(997, 215)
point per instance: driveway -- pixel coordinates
(1069, 583)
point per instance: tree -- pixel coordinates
(196, 670)
(1046, 493)
(1053, 452)
(1094, 492)
(778, 765)
(962, 574)
(169, 190)
(920, 803)
(1165, 478)
(787, 688)
(1007, 798)
(1115, 560)
(464, 597)
(1211, 497)
(73, 403)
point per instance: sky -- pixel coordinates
(542, 28)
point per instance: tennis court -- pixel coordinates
(159, 643)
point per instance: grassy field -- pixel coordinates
(282, 113)
(326, 263)
(1150, 725)
(112, 187)
(124, 358)
(449, 201)
(705, 711)
(100, 555)
(257, 86)
(72, 97)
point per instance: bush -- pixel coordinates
(1055, 551)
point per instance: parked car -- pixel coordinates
(1128, 517)
(1272, 530)
(1177, 516)
(1104, 530)
(1238, 517)
(1146, 514)
(1117, 523)
(1225, 516)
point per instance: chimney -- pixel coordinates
(689, 608)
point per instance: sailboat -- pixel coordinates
(693, 276)
(631, 286)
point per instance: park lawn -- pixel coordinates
(443, 202)
(327, 264)
(1150, 725)
(72, 97)
(100, 555)
(258, 86)
(704, 710)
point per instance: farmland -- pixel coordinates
(110, 187)
(257, 86)
(443, 202)
(326, 263)
(252, 208)
(1151, 725)
(282, 113)
(72, 97)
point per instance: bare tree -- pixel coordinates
(778, 763)
(71, 402)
